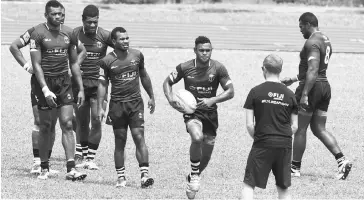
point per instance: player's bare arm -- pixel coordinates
(82, 53)
(101, 93)
(14, 48)
(250, 121)
(227, 94)
(76, 73)
(289, 80)
(313, 61)
(167, 89)
(36, 57)
(294, 123)
(147, 85)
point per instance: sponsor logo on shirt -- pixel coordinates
(127, 76)
(134, 62)
(201, 90)
(32, 44)
(26, 37)
(276, 96)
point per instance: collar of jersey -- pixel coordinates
(83, 29)
(196, 63)
(46, 25)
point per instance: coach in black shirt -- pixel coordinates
(273, 108)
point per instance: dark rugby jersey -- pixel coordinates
(273, 103)
(25, 37)
(201, 82)
(54, 46)
(123, 74)
(96, 47)
(320, 43)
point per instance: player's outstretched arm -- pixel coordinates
(147, 85)
(249, 117)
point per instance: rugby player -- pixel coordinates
(313, 94)
(271, 120)
(50, 50)
(123, 68)
(14, 48)
(96, 40)
(202, 76)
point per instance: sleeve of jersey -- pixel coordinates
(141, 62)
(176, 75)
(103, 75)
(249, 102)
(35, 41)
(224, 76)
(25, 37)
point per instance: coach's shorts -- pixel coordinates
(262, 160)
(90, 88)
(209, 121)
(33, 98)
(61, 86)
(319, 96)
(124, 114)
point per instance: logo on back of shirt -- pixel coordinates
(276, 96)
(99, 44)
(211, 77)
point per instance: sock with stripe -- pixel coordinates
(120, 171)
(195, 167)
(144, 169)
(84, 146)
(78, 150)
(92, 148)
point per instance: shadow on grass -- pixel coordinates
(316, 176)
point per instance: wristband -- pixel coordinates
(45, 89)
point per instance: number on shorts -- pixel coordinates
(327, 56)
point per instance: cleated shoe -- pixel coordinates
(344, 169)
(36, 169)
(74, 175)
(193, 185)
(146, 182)
(121, 182)
(91, 165)
(43, 174)
(295, 172)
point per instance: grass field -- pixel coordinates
(168, 142)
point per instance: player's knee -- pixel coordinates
(66, 125)
(45, 125)
(197, 137)
(120, 136)
(96, 124)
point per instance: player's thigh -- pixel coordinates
(117, 116)
(36, 115)
(93, 107)
(194, 128)
(136, 113)
(318, 122)
(304, 119)
(46, 117)
(258, 167)
(210, 124)
(282, 167)
(63, 90)
(121, 135)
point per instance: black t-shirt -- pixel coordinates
(273, 103)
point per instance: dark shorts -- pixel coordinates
(61, 86)
(319, 96)
(262, 160)
(209, 121)
(90, 88)
(124, 114)
(34, 99)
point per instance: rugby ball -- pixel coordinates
(186, 100)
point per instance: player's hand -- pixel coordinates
(101, 114)
(304, 102)
(49, 96)
(205, 102)
(28, 67)
(80, 98)
(287, 81)
(151, 105)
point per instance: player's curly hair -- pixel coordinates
(202, 40)
(308, 17)
(90, 11)
(53, 4)
(115, 30)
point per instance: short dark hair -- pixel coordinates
(90, 11)
(115, 30)
(308, 17)
(273, 63)
(202, 40)
(54, 4)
